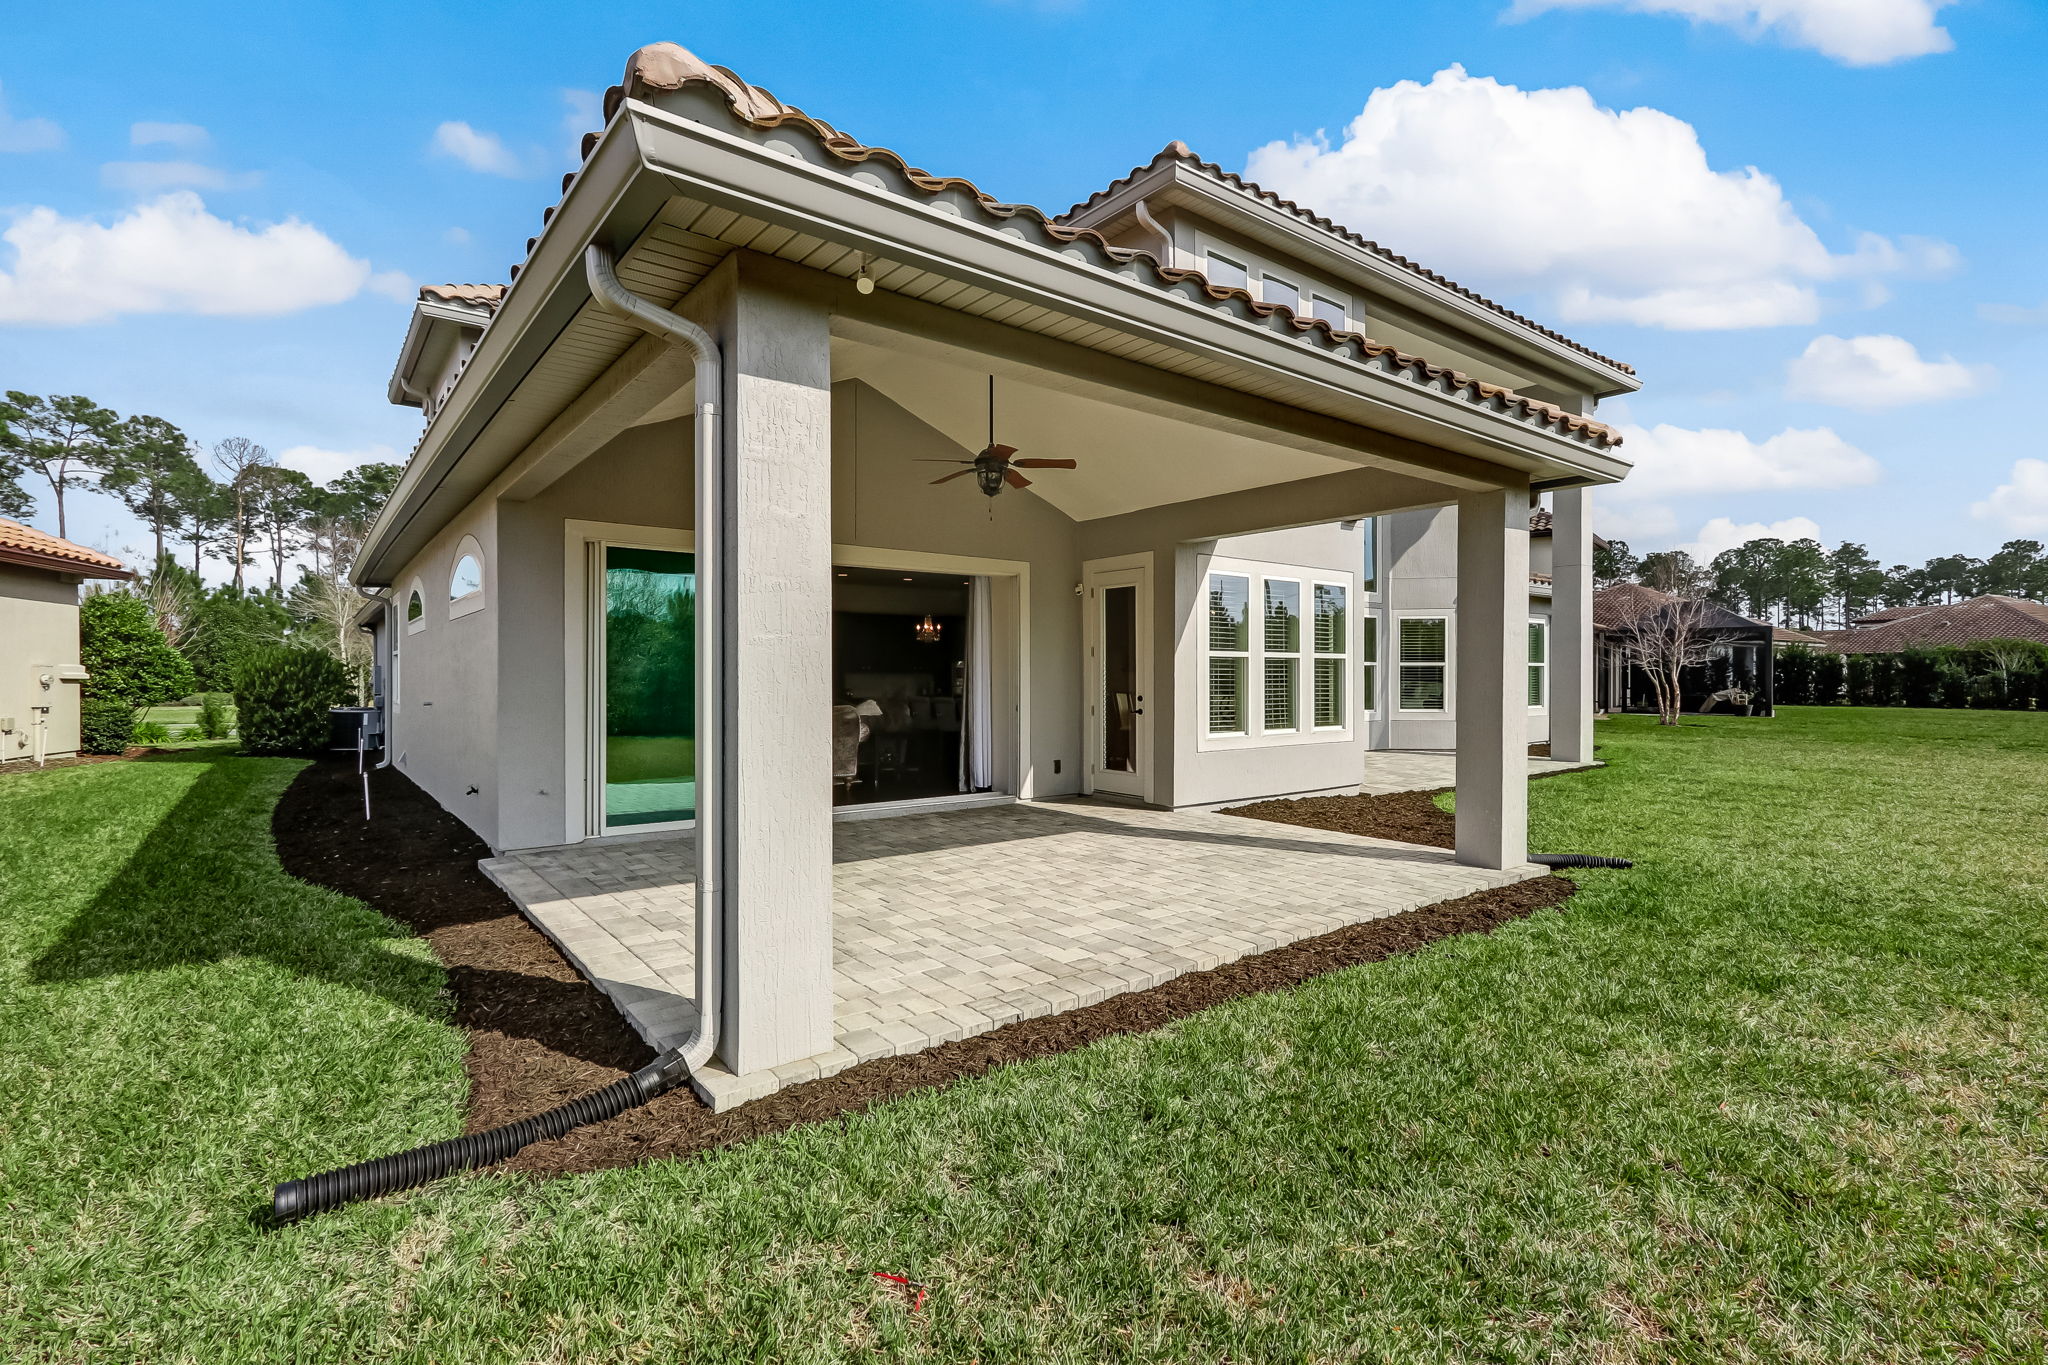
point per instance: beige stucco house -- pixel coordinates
(39, 669)
(678, 553)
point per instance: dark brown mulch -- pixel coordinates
(1411, 817)
(540, 1034)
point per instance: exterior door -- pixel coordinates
(1118, 659)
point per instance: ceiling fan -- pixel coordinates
(997, 465)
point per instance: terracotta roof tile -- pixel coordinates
(1615, 607)
(1181, 152)
(488, 295)
(1956, 623)
(25, 545)
(667, 67)
(1539, 522)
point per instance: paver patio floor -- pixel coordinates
(947, 925)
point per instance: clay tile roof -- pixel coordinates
(668, 67)
(487, 295)
(1956, 623)
(25, 545)
(1539, 522)
(1892, 614)
(1785, 635)
(1615, 607)
(1177, 150)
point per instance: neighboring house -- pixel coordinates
(1188, 616)
(1743, 655)
(1969, 622)
(39, 669)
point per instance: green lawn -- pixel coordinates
(177, 719)
(1775, 1095)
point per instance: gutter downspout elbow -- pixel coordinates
(1143, 213)
(712, 788)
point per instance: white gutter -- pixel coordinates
(712, 787)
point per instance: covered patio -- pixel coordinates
(952, 924)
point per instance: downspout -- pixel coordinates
(1143, 214)
(298, 1198)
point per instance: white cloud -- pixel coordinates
(456, 236)
(1724, 533)
(482, 152)
(154, 177)
(1854, 32)
(322, 466)
(168, 256)
(393, 284)
(185, 136)
(2022, 504)
(1618, 213)
(582, 112)
(27, 134)
(2014, 313)
(1877, 372)
(1680, 461)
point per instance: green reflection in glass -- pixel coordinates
(650, 686)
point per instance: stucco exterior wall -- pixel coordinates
(38, 630)
(443, 712)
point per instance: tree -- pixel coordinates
(15, 501)
(1802, 580)
(2017, 570)
(1664, 643)
(228, 626)
(126, 657)
(1613, 563)
(63, 439)
(1675, 572)
(277, 506)
(173, 594)
(146, 466)
(1854, 581)
(1952, 576)
(1749, 578)
(239, 458)
(203, 508)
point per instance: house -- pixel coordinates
(1742, 659)
(854, 605)
(39, 668)
(1969, 622)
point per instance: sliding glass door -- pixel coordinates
(650, 687)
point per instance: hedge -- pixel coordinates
(2008, 675)
(282, 696)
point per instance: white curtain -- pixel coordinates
(978, 719)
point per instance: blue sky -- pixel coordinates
(1573, 158)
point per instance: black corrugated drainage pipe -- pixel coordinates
(403, 1171)
(1576, 860)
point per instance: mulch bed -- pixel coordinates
(540, 1034)
(1411, 817)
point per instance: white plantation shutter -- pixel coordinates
(1424, 663)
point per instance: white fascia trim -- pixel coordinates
(751, 178)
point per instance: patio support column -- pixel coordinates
(1571, 625)
(777, 525)
(1492, 678)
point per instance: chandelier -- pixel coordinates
(926, 631)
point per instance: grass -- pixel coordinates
(1776, 1095)
(179, 719)
(649, 758)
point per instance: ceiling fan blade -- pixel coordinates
(1015, 480)
(956, 474)
(928, 460)
(999, 452)
(1046, 464)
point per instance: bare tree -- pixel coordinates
(1666, 641)
(241, 461)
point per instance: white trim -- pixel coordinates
(923, 805)
(1542, 707)
(1209, 651)
(1258, 572)
(1449, 665)
(478, 597)
(1135, 571)
(1368, 694)
(414, 625)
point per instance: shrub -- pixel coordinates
(282, 697)
(213, 716)
(189, 732)
(1952, 683)
(105, 726)
(1920, 677)
(152, 732)
(1795, 665)
(125, 655)
(1830, 679)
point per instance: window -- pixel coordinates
(1229, 652)
(1369, 651)
(466, 581)
(1328, 310)
(1424, 663)
(1226, 273)
(1369, 581)
(415, 608)
(1539, 663)
(1279, 291)
(1331, 656)
(1281, 637)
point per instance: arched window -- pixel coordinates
(466, 582)
(415, 608)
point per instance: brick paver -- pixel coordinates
(948, 925)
